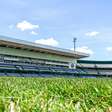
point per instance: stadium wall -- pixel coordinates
(36, 55)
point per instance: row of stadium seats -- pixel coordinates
(27, 61)
(95, 65)
(34, 75)
(95, 68)
(11, 69)
(31, 70)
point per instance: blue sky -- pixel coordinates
(56, 22)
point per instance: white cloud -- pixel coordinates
(49, 41)
(92, 34)
(109, 49)
(84, 49)
(25, 25)
(33, 33)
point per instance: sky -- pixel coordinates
(57, 22)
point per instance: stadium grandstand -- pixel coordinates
(95, 68)
(28, 59)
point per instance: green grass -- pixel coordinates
(55, 94)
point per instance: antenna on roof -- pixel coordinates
(74, 41)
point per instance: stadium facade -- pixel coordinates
(24, 51)
(28, 59)
(95, 68)
(23, 58)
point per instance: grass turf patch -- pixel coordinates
(55, 94)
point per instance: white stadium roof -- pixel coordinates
(22, 44)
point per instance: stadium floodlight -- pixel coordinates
(74, 41)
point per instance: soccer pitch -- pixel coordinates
(55, 94)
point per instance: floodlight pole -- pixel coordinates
(74, 41)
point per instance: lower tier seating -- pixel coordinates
(8, 69)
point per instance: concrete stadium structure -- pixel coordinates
(95, 68)
(15, 49)
(23, 56)
(27, 59)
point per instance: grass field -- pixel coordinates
(55, 94)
